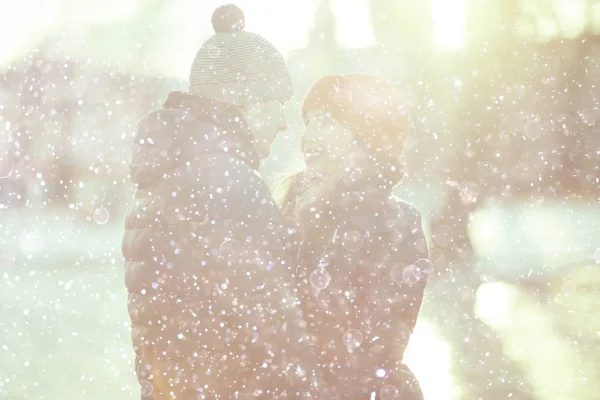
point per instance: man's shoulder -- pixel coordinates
(171, 121)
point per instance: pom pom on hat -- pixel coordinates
(228, 19)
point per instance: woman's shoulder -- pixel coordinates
(400, 209)
(385, 215)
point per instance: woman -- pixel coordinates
(363, 259)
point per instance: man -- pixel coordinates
(211, 299)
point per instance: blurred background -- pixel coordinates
(503, 161)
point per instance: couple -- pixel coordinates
(233, 296)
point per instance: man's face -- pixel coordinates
(266, 120)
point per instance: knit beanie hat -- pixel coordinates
(366, 104)
(238, 67)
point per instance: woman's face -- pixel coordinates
(331, 153)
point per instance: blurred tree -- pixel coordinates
(403, 25)
(144, 27)
(405, 29)
(322, 34)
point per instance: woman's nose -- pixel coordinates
(309, 133)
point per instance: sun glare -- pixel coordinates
(429, 356)
(353, 20)
(449, 23)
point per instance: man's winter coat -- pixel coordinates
(210, 287)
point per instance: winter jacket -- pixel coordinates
(208, 271)
(363, 275)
